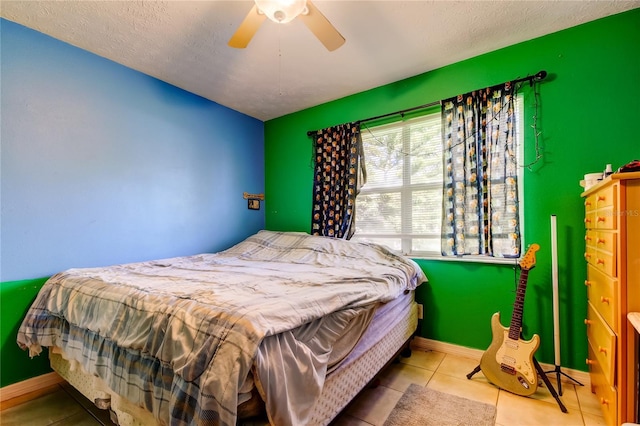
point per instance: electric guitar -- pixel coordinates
(508, 362)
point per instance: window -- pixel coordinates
(400, 204)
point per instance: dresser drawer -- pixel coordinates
(590, 203)
(590, 220)
(603, 341)
(590, 237)
(590, 254)
(605, 218)
(606, 394)
(606, 197)
(606, 241)
(605, 262)
(602, 295)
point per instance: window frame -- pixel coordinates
(405, 191)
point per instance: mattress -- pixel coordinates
(392, 325)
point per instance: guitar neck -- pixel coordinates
(518, 306)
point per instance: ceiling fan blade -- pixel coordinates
(322, 28)
(247, 29)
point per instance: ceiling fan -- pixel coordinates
(283, 11)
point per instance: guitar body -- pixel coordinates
(508, 363)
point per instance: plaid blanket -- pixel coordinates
(178, 336)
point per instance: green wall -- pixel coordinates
(15, 365)
(589, 102)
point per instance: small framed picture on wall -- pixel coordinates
(254, 204)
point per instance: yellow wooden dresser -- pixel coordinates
(612, 242)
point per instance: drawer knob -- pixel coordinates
(587, 203)
(604, 401)
(600, 261)
(587, 220)
(601, 219)
(601, 198)
(588, 322)
(587, 238)
(600, 241)
(602, 350)
(604, 299)
(590, 362)
(587, 283)
(587, 255)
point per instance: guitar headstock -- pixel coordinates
(528, 261)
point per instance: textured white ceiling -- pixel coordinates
(285, 68)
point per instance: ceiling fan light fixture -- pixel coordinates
(281, 11)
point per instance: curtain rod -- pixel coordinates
(531, 79)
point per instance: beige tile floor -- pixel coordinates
(447, 373)
(436, 370)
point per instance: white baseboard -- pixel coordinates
(30, 385)
(476, 354)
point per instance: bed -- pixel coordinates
(283, 322)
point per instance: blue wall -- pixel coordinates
(102, 164)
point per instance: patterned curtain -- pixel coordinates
(339, 175)
(480, 209)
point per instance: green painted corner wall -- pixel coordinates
(587, 105)
(15, 364)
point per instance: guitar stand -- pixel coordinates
(545, 379)
(558, 373)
